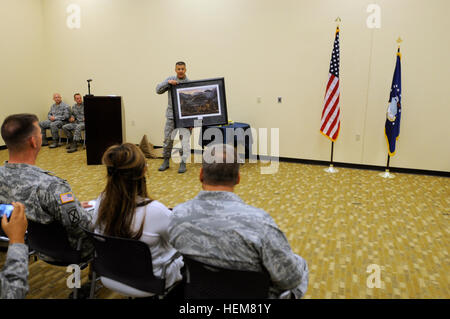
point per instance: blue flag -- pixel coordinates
(394, 111)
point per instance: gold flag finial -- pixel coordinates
(338, 20)
(399, 40)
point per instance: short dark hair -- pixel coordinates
(17, 128)
(180, 63)
(220, 165)
(76, 94)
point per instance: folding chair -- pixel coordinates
(125, 266)
(210, 282)
(51, 241)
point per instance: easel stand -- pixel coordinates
(331, 169)
(386, 174)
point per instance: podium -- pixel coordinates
(104, 125)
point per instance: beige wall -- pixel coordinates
(265, 49)
(22, 59)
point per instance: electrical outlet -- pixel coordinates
(280, 99)
(258, 99)
(357, 137)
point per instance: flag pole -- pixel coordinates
(332, 148)
(386, 173)
(331, 169)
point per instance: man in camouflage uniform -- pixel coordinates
(57, 116)
(161, 88)
(76, 123)
(47, 198)
(14, 275)
(219, 229)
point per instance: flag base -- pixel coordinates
(331, 169)
(387, 174)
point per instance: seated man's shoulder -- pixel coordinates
(44, 177)
(255, 213)
(26, 171)
(183, 207)
(254, 210)
(33, 181)
(54, 177)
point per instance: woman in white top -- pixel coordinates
(124, 210)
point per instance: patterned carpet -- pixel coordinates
(340, 223)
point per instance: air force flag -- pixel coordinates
(394, 111)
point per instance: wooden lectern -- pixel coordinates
(104, 121)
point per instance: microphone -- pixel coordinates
(89, 86)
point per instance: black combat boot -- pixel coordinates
(69, 143)
(182, 168)
(44, 140)
(73, 147)
(165, 165)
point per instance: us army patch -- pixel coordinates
(66, 198)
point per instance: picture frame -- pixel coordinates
(201, 99)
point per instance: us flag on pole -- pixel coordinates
(331, 122)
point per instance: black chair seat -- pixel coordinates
(51, 241)
(211, 282)
(127, 261)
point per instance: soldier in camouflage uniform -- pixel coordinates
(57, 116)
(47, 198)
(161, 88)
(14, 275)
(76, 124)
(219, 229)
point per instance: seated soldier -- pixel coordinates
(57, 116)
(76, 124)
(47, 198)
(219, 229)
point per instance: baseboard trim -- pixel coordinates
(351, 165)
(367, 167)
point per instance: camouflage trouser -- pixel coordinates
(53, 126)
(168, 141)
(77, 127)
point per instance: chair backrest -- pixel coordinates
(127, 261)
(2, 233)
(51, 240)
(4, 240)
(210, 282)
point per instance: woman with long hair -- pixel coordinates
(125, 210)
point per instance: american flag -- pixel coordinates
(331, 122)
(66, 198)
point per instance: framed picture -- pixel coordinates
(202, 99)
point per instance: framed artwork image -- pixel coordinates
(202, 99)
